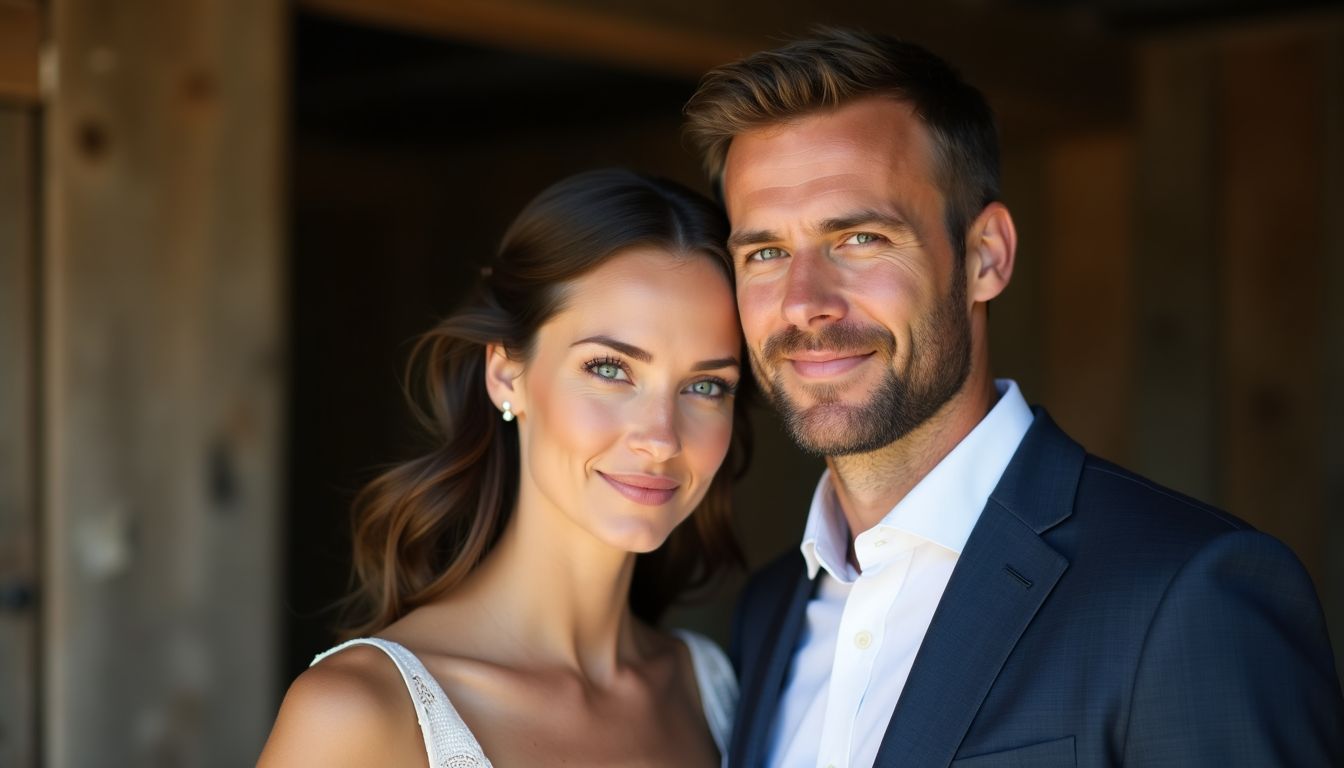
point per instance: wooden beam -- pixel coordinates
(20, 47)
(623, 39)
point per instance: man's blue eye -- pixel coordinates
(767, 254)
(863, 238)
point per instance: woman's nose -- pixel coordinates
(654, 432)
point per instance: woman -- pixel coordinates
(581, 405)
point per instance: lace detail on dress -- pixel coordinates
(448, 741)
(426, 695)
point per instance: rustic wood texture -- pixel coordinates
(1241, 146)
(1086, 287)
(163, 380)
(1270, 238)
(19, 661)
(1173, 262)
(20, 44)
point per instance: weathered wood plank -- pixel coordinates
(20, 44)
(18, 434)
(1174, 264)
(162, 341)
(1270, 238)
(1087, 289)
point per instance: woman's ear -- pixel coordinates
(991, 250)
(504, 382)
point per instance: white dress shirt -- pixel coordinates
(863, 628)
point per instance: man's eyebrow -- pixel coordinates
(864, 218)
(619, 346)
(750, 237)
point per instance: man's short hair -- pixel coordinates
(836, 67)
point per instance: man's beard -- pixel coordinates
(939, 360)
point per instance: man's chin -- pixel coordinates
(829, 429)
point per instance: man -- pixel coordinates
(973, 586)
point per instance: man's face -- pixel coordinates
(853, 305)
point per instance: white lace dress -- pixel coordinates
(450, 744)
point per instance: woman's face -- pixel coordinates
(625, 408)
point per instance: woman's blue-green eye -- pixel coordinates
(608, 370)
(707, 388)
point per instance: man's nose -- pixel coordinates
(812, 294)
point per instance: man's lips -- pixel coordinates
(819, 365)
(643, 489)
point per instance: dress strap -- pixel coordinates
(448, 741)
(717, 682)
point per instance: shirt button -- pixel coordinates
(863, 639)
(880, 543)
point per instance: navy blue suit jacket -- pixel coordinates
(1094, 618)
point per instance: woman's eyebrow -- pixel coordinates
(646, 357)
(619, 346)
(722, 362)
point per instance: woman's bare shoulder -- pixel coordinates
(352, 708)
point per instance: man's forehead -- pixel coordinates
(875, 134)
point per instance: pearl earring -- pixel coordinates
(508, 410)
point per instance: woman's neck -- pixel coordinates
(555, 595)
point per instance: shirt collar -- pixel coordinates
(942, 508)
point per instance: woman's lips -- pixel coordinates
(643, 489)
(821, 365)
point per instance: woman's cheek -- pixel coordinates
(713, 432)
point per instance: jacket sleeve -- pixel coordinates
(1236, 667)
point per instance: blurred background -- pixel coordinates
(222, 221)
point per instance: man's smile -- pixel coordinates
(822, 364)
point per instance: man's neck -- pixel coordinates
(869, 485)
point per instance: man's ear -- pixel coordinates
(991, 251)
(503, 380)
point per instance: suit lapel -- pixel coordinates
(764, 682)
(1003, 575)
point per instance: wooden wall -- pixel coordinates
(163, 374)
(20, 36)
(1239, 249)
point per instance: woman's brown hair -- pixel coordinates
(424, 524)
